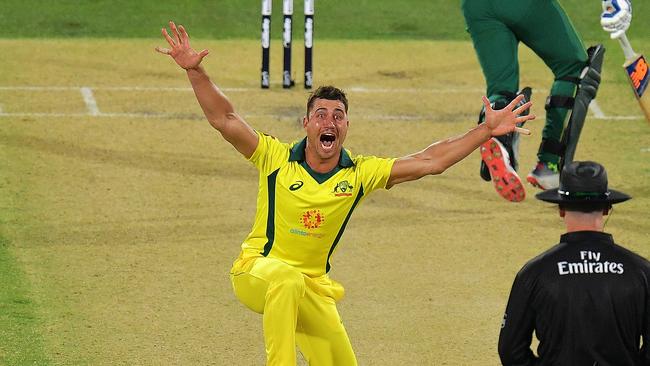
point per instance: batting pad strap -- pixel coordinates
(571, 79)
(552, 146)
(559, 101)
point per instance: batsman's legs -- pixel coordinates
(273, 288)
(560, 47)
(497, 51)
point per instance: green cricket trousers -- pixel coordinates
(497, 27)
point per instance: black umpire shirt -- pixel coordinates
(588, 301)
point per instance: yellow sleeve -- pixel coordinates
(270, 153)
(374, 171)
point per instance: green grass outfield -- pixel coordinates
(119, 222)
(223, 19)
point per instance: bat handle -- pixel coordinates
(627, 47)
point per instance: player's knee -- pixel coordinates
(570, 69)
(290, 281)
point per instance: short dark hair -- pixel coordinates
(586, 207)
(327, 92)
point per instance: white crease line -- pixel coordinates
(357, 89)
(40, 88)
(109, 115)
(93, 110)
(154, 88)
(620, 118)
(364, 117)
(595, 108)
(114, 88)
(45, 114)
(354, 89)
(89, 99)
(360, 89)
(645, 149)
(180, 116)
(143, 88)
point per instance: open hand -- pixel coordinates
(180, 50)
(502, 121)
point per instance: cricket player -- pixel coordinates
(587, 299)
(307, 193)
(496, 28)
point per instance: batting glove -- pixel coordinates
(616, 17)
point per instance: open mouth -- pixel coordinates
(327, 140)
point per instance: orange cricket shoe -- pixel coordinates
(506, 181)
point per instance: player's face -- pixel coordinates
(326, 126)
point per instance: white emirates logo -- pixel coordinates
(590, 264)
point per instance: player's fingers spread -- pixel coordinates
(486, 103)
(523, 108)
(177, 38)
(522, 131)
(525, 118)
(515, 101)
(167, 37)
(164, 51)
(184, 37)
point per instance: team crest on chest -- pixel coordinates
(343, 189)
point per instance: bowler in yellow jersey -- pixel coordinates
(307, 193)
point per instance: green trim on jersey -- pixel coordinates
(319, 177)
(270, 222)
(345, 223)
(301, 216)
(298, 154)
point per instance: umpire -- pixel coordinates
(587, 299)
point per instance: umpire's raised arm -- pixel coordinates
(217, 108)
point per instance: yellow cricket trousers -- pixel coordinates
(296, 310)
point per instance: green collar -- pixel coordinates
(298, 154)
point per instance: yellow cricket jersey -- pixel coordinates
(301, 214)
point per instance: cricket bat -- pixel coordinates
(636, 68)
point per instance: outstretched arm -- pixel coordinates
(216, 106)
(439, 156)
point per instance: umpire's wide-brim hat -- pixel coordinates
(583, 182)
